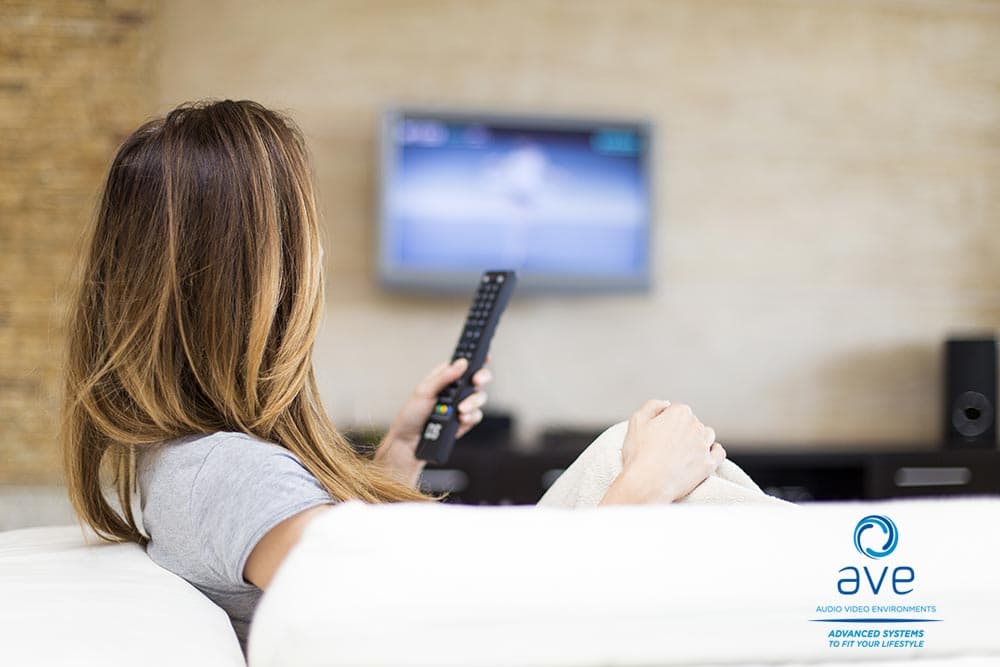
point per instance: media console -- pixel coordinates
(494, 475)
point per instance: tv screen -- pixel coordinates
(564, 202)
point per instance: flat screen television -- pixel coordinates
(565, 202)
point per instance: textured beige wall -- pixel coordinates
(828, 186)
(74, 79)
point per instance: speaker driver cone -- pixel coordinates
(971, 414)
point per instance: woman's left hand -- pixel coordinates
(397, 450)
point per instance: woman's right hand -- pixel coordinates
(667, 453)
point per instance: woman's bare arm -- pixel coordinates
(269, 553)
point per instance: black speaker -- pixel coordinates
(971, 393)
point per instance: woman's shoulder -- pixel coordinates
(210, 441)
(216, 479)
(201, 446)
(181, 463)
(208, 498)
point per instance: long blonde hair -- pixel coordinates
(198, 305)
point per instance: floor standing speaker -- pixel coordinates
(971, 393)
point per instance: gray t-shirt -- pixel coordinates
(206, 502)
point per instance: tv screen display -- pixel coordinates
(565, 202)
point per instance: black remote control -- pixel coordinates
(495, 288)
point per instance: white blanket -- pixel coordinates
(691, 584)
(586, 481)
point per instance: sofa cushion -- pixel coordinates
(682, 584)
(67, 598)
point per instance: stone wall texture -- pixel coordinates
(75, 78)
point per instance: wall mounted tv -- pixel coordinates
(565, 202)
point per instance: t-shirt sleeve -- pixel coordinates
(243, 489)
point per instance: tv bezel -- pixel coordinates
(451, 282)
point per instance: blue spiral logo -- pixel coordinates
(888, 529)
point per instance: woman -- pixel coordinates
(190, 364)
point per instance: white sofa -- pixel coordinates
(474, 586)
(682, 584)
(67, 599)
